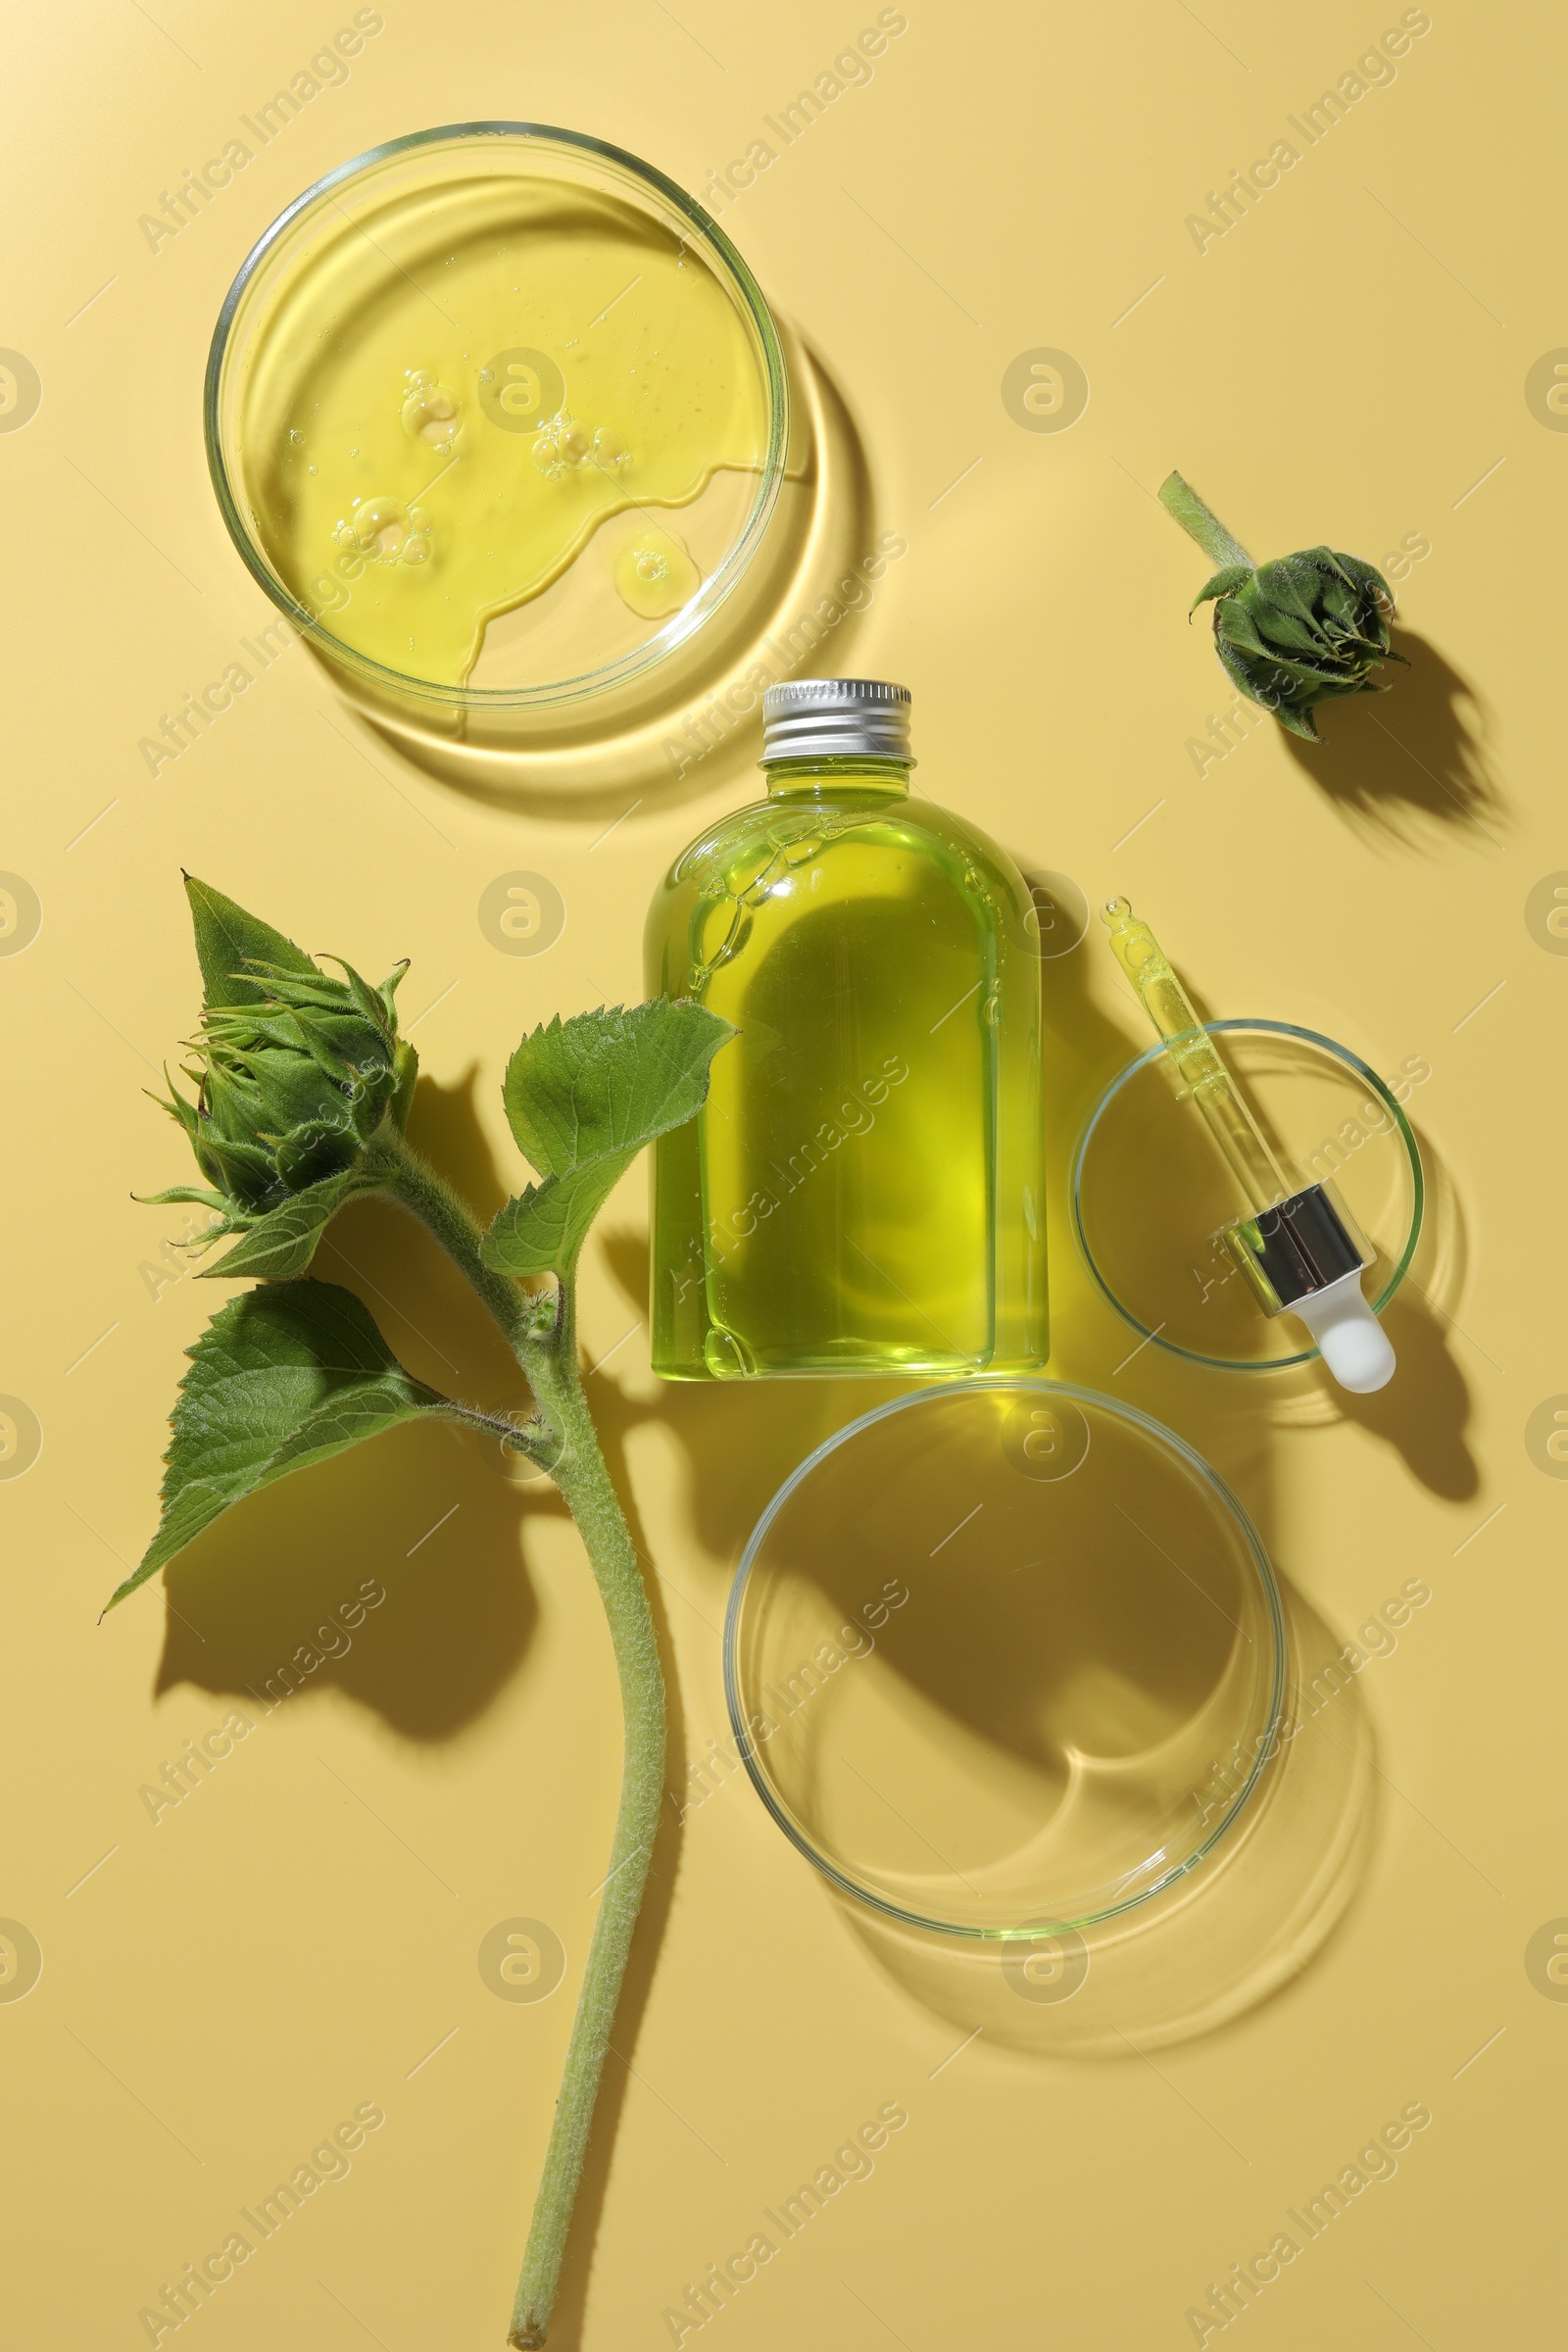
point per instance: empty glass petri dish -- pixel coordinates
(497, 416)
(1150, 1191)
(1004, 1656)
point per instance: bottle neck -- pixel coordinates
(815, 779)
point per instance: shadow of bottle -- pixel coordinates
(997, 1700)
(1253, 1916)
(1308, 1824)
(255, 1591)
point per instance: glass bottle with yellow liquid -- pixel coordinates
(863, 1189)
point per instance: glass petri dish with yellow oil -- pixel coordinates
(497, 416)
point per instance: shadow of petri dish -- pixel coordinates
(1214, 1944)
(1150, 1191)
(1004, 1656)
(536, 546)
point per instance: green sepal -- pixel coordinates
(404, 1077)
(371, 1092)
(370, 1000)
(309, 1154)
(1295, 719)
(281, 1243)
(227, 940)
(223, 1160)
(387, 992)
(1300, 629)
(175, 1103)
(1235, 626)
(178, 1193)
(319, 1044)
(1223, 583)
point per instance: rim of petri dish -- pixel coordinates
(1399, 1266)
(1229, 1505)
(729, 266)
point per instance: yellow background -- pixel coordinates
(295, 1937)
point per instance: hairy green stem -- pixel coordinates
(549, 1360)
(1200, 522)
(416, 1186)
(584, 1482)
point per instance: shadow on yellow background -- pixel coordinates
(465, 1609)
(1217, 1946)
(1413, 764)
(461, 1612)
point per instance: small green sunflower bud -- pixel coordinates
(295, 1072)
(1303, 630)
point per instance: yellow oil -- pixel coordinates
(456, 394)
(863, 1189)
(654, 573)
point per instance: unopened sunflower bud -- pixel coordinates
(1300, 631)
(295, 1071)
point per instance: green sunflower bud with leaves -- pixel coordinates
(297, 1075)
(302, 1093)
(1303, 630)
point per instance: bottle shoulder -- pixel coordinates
(734, 892)
(732, 852)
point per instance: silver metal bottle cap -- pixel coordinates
(836, 718)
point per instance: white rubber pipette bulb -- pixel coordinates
(1351, 1340)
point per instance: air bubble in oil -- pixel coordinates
(430, 413)
(654, 573)
(385, 530)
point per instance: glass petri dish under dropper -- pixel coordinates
(1151, 1193)
(1004, 1656)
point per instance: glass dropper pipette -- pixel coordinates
(1251, 1159)
(1296, 1244)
